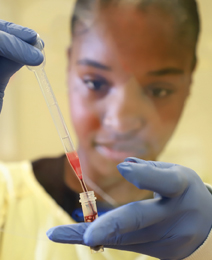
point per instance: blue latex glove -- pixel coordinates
(15, 51)
(171, 226)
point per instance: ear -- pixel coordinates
(189, 86)
(68, 54)
(194, 64)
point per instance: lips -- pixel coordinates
(119, 151)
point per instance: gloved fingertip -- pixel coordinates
(88, 239)
(123, 166)
(50, 234)
(58, 234)
(127, 164)
(135, 160)
(94, 233)
(37, 57)
(28, 35)
(131, 159)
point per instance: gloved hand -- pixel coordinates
(15, 51)
(171, 226)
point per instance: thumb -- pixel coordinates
(117, 226)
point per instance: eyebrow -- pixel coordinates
(93, 63)
(166, 71)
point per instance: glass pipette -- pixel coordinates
(57, 115)
(62, 130)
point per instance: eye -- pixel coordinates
(159, 91)
(96, 84)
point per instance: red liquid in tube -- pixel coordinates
(75, 164)
(91, 218)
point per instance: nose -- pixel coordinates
(126, 110)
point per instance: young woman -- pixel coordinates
(130, 70)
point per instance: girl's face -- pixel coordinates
(128, 83)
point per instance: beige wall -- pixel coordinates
(191, 145)
(26, 128)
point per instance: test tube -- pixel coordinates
(88, 202)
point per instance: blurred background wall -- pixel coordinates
(26, 128)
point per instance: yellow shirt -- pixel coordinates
(27, 212)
